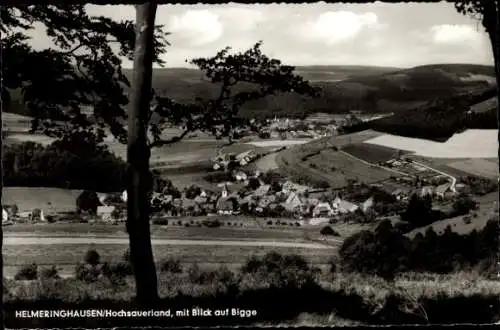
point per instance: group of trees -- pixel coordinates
(30, 164)
(386, 251)
(437, 120)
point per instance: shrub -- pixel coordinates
(467, 220)
(27, 272)
(329, 231)
(297, 224)
(269, 222)
(187, 224)
(116, 273)
(211, 223)
(160, 221)
(179, 222)
(221, 275)
(50, 273)
(92, 257)
(278, 271)
(171, 265)
(87, 273)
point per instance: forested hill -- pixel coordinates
(344, 88)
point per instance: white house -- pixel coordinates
(343, 206)
(5, 216)
(104, 212)
(322, 210)
(367, 204)
(240, 176)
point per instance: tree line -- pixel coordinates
(386, 251)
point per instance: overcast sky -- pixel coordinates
(401, 35)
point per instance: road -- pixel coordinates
(453, 179)
(31, 240)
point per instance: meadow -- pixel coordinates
(50, 200)
(321, 160)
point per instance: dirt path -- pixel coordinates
(98, 240)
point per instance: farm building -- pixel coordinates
(343, 206)
(104, 212)
(367, 204)
(322, 210)
(292, 202)
(5, 216)
(442, 189)
(427, 190)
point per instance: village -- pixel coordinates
(269, 195)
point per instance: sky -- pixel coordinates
(378, 34)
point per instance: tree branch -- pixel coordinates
(162, 142)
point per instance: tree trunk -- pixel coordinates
(138, 154)
(1, 197)
(491, 22)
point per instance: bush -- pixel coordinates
(467, 220)
(92, 258)
(278, 271)
(116, 273)
(269, 222)
(211, 223)
(171, 265)
(87, 273)
(27, 272)
(50, 273)
(328, 231)
(160, 221)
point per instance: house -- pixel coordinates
(223, 191)
(262, 190)
(441, 190)
(426, 190)
(225, 206)
(398, 193)
(200, 199)
(292, 202)
(322, 209)
(343, 206)
(5, 216)
(240, 176)
(104, 212)
(265, 201)
(367, 204)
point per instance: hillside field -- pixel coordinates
(48, 199)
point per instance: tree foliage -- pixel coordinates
(78, 83)
(263, 76)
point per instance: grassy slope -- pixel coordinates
(48, 199)
(318, 161)
(372, 89)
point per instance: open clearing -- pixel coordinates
(48, 199)
(472, 143)
(370, 152)
(479, 166)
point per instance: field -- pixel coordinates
(50, 200)
(480, 167)
(321, 160)
(371, 153)
(473, 143)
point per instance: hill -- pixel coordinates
(344, 88)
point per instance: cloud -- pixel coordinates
(240, 18)
(454, 34)
(198, 27)
(337, 27)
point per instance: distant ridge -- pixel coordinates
(370, 89)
